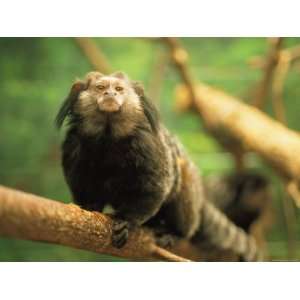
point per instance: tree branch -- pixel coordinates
(92, 52)
(270, 65)
(259, 61)
(31, 217)
(256, 131)
(179, 57)
(279, 76)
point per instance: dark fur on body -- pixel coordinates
(122, 155)
(120, 172)
(102, 169)
(131, 172)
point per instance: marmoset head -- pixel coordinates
(108, 103)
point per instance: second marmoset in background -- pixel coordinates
(118, 154)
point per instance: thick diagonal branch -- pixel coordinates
(31, 217)
(256, 131)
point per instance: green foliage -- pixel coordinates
(36, 74)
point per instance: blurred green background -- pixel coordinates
(36, 74)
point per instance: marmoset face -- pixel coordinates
(107, 94)
(108, 99)
(110, 93)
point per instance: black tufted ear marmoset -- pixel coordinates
(117, 153)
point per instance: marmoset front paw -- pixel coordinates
(120, 231)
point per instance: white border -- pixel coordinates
(150, 18)
(149, 281)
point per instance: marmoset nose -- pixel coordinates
(109, 93)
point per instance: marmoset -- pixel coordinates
(118, 154)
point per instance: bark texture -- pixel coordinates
(255, 131)
(30, 217)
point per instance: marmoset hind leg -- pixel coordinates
(183, 209)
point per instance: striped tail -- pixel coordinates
(224, 234)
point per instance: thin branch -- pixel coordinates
(279, 76)
(259, 62)
(292, 189)
(31, 217)
(271, 62)
(290, 222)
(179, 57)
(94, 55)
(163, 254)
(276, 67)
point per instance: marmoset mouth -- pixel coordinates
(109, 105)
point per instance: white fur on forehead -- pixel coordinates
(120, 75)
(115, 80)
(93, 75)
(109, 78)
